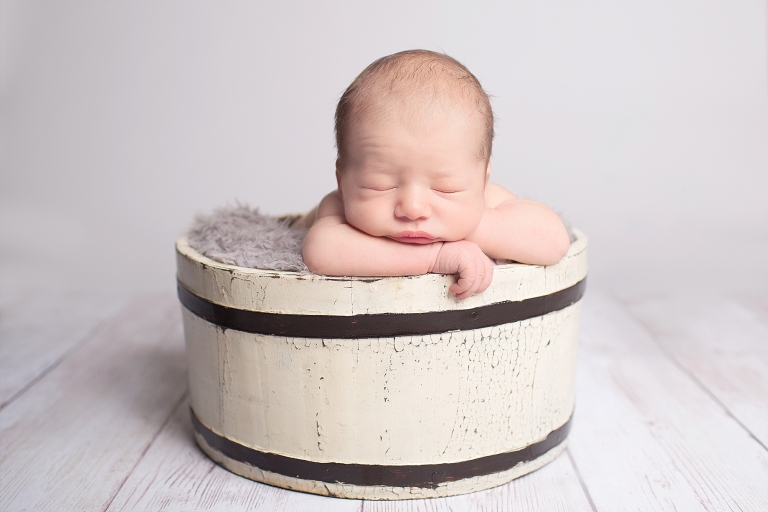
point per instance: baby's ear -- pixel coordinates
(488, 172)
(338, 175)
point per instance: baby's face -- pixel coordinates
(415, 181)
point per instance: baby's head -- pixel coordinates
(414, 134)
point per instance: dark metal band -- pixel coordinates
(384, 325)
(425, 476)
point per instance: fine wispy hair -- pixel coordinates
(419, 80)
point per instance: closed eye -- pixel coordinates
(380, 189)
(441, 191)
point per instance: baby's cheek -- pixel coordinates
(363, 217)
(478, 218)
(471, 224)
(466, 219)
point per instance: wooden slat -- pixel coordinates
(554, 487)
(722, 344)
(72, 439)
(175, 475)
(39, 331)
(646, 436)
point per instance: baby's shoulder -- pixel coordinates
(495, 194)
(330, 205)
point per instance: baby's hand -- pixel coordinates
(465, 258)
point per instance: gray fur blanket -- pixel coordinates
(240, 235)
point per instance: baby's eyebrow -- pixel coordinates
(378, 167)
(447, 173)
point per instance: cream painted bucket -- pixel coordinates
(381, 388)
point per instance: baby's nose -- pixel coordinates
(412, 205)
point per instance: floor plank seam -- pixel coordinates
(146, 449)
(581, 480)
(97, 329)
(693, 377)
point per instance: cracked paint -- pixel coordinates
(429, 399)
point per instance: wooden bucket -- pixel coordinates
(381, 388)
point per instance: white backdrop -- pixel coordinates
(645, 123)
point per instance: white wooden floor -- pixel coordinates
(672, 413)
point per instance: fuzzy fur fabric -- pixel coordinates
(240, 235)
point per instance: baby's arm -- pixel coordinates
(519, 230)
(333, 247)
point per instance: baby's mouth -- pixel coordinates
(414, 237)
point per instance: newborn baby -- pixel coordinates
(414, 133)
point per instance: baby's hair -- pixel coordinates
(414, 74)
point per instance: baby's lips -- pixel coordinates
(414, 237)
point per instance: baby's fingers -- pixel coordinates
(483, 276)
(467, 286)
(487, 277)
(461, 287)
(475, 279)
(466, 294)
